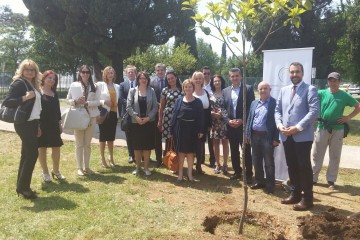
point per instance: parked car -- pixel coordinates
(344, 87)
(354, 89)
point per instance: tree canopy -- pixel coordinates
(109, 27)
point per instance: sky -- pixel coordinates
(18, 6)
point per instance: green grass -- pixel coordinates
(114, 204)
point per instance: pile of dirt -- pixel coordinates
(274, 228)
(329, 225)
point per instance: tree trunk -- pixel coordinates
(117, 64)
(245, 186)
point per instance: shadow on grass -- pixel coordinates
(349, 189)
(99, 177)
(63, 186)
(320, 208)
(204, 182)
(51, 203)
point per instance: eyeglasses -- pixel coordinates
(85, 72)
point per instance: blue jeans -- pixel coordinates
(262, 150)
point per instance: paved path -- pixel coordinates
(350, 157)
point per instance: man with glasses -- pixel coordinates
(233, 100)
(130, 71)
(207, 75)
(330, 130)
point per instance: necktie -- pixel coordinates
(131, 84)
(293, 92)
(162, 84)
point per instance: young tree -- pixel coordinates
(112, 28)
(237, 20)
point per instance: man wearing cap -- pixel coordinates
(330, 130)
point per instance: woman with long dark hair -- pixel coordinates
(84, 93)
(50, 123)
(25, 89)
(167, 101)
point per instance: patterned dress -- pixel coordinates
(170, 97)
(218, 129)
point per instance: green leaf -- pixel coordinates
(206, 30)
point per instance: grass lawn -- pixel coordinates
(114, 204)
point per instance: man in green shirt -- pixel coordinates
(330, 130)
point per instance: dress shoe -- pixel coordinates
(46, 177)
(80, 172)
(57, 175)
(257, 186)
(291, 200)
(303, 205)
(158, 164)
(235, 177)
(27, 194)
(199, 170)
(131, 160)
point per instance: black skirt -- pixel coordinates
(185, 136)
(143, 136)
(108, 128)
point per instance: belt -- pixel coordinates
(259, 132)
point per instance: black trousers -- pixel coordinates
(235, 143)
(299, 167)
(29, 153)
(129, 143)
(211, 149)
(158, 142)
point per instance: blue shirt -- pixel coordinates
(260, 116)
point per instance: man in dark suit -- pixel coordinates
(233, 99)
(158, 84)
(130, 71)
(296, 110)
(263, 135)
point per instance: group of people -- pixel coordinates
(186, 115)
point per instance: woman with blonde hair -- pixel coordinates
(25, 91)
(203, 95)
(84, 93)
(50, 124)
(186, 127)
(109, 95)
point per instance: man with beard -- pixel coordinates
(296, 110)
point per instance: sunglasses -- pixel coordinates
(85, 72)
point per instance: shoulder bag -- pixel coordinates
(75, 118)
(18, 114)
(103, 115)
(170, 159)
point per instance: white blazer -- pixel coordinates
(93, 98)
(105, 95)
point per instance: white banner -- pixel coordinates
(276, 72)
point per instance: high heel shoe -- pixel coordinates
(46, 177)
(104, 164)
(27, 194)
(111, 163)
(58, 175)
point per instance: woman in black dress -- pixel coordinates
(50, 124)
(25, 89)
(187, 126)
(142, 106)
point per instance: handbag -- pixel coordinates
(19, 114)
(170, 159)
(125, 122)
(103, 115)
(75, 118)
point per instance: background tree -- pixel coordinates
(238, 20)
(14, 44)
(112, 28)
(206, 56)
(347, 57)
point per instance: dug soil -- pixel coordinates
(215, 203)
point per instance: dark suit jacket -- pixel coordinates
(124, 91)
(155, 84)
(272, 131)
(236, 132)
